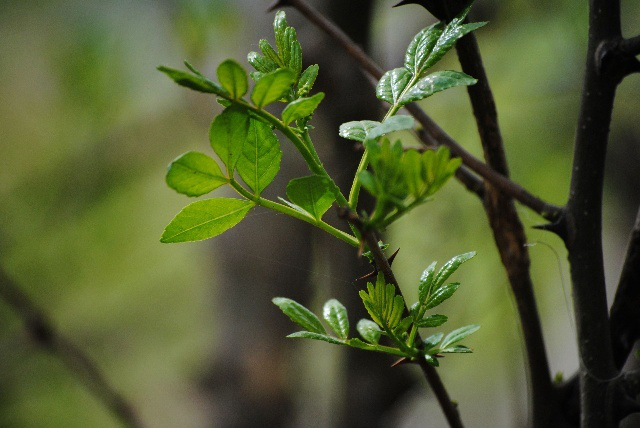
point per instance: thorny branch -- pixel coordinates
(43, 332)
(382, 264)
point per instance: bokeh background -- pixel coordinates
(187, 332)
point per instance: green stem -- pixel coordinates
(294, 213)
(364, 162)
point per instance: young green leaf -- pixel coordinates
(392, 85)
(420, 48)
(280, 28)
(262, 64)
(314, 194)
(357, 130)
(299, 315)
(315, 336)
(458, 334)
(271, 55)
(426, 279)
(205, 219)
(382, 303)
(272, 87)
(307, 79)
(233, 78)
(403, 326)
(450, 267)
(359, 344)
(458, 349)
(432, 321)
(393, 124)
(335, 314)
(292, 57)
(196, 82)
(260, 159)
(369, 331)
(228, 134)
(194, 174)
(302, 107)
(436, 82)
(433, 361)
(442, 294)
(431, 341)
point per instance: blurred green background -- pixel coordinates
(87, 127)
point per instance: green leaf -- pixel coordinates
(315, 336)
(382, 303)
(369, 331)
(205, 219)
(262, 64)
(197, 82)
(436, 82)
(450, 267)
(292, 57)
(307, 79)
(393, 124)
(454, 31)
(432, 321)
(227, 135)
(442, 294)
(426, 279)
(458, 334)
(272, 87)
(458, 349)
(314, 194)
(432, 360)
(299, 314)
(302, 107)
(233, 78)
(335, 314)
(431, 341)
(359, 344)
(194, 174)
(403, 326)
(420, 48)
(357, 130)
(392, 84)
(280, 29)
(260, 159)
(271, 55)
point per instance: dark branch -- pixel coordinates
(625, 311)
(43, 332)
(630, 46)
(508, 230)
(546, 210)
(382, 264)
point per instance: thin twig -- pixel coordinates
(382, 263)
(545, 209)
(41, 329)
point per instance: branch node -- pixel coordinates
(558, 226)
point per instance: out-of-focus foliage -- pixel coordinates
(85, 121)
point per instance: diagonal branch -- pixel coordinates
(625, 315)
(449, 408)
(77, 362)
(504, 184)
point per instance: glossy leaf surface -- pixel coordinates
(335, 314)
(369, 330)
(299, 315)
(194, 174)
(302, 107)
(436, 82)
(357, 130)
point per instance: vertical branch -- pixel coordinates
(584, 217)
(508, 230)
(76, 361)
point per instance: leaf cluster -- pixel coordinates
(389, 318)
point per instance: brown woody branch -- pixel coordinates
(504, 184)
(43, 332)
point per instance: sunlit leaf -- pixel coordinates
(193, 81)
(260, 159)
(233, 78)
(228, 134)
(393, 124)
(270, 54)
(369, 331)
(458, 334)
(431, 341)
(392, 85)
(315, 336)
(420, 48)
(357, 130)
(299, 315)
(382, 303)
(432, 321)
(261, 63)
(194, 174)
(272, 87)
(436, 82)
(205, 219)
(450, 267)
(426, 279)
(335, 314)
(442, 294)
(314, 194)
(302, 107)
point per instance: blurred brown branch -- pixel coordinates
(43, 332)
